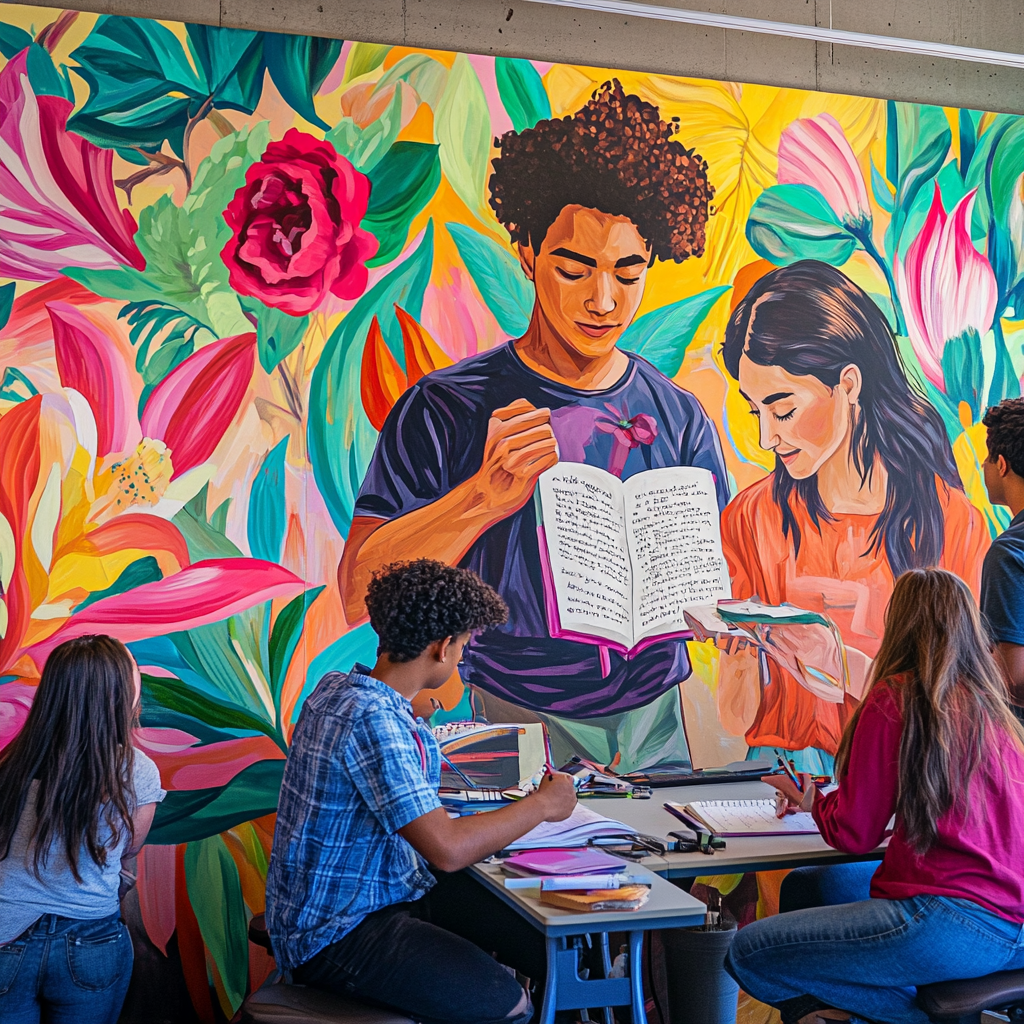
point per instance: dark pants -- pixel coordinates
(431, 959)
(66, 971)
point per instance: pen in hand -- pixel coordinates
(785, 766)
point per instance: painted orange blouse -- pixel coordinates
(835, 575)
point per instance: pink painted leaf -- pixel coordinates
(15, 704)
(192, 407)
(89, 362)
(212, 765)
(200, 594)
(156, 893)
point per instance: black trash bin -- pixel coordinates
(699, 990)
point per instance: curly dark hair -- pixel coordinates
(616, 155)
(413, 604)
(1005, 423)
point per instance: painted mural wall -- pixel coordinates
(256, 299)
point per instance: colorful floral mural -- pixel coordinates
(225, 256)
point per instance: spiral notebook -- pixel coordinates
(745, 818)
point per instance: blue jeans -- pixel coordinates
(826, 885)
(66, 971)
(867, 958)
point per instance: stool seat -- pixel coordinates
(277, 1003)
(948, 1000)
(274, 1002)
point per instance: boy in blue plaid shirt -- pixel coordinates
(359, 819)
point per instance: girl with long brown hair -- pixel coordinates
(934, 745)
(75, 798)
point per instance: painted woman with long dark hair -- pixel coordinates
(864, 488)
(75, 798)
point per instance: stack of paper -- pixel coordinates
(628, 897)
(577, 830)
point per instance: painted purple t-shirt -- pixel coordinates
(434, 439)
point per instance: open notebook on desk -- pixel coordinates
(578, 829)
(743, 818)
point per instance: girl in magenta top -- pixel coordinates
(935, 749)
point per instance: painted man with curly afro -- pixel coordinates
(589, 201)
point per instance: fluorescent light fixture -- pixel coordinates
(841, 37)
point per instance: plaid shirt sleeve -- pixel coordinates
(386, 763)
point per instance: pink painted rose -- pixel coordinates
(295, 224)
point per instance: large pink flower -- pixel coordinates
(814, 151)
(57, 203)
(945, 285)
(295, 223)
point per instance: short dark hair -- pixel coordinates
(414, 604)
(1005, 423)
(615, 155)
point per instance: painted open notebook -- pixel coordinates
(623, 560)
(745, 818)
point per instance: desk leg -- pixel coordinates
(547, 1010)
(636, 976)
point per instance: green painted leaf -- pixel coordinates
(340, 437)
(202, 538)
(15, 386)
(880, 189)
(365, 147)
(142, 86)
(232, 63)
(298, 66)
(462, 127)
(182, 699)
(662, 336)
(364, 58)
(964, 371)
(522, 92)
(188, 815)
(278, 334)
(6, 303)
(421, 72)
(285, 637)
(215, 892)
(267, 513)
(13, 40)
(793, 222)
(499, 278)
(142, 570)
(401, 186)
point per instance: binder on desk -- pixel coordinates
(743, 818)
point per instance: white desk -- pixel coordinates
(667, 907)
(743, 853)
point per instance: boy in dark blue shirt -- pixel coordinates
(1002, 577)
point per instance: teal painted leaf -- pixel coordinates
(15, 386)
(364, 58)
(365, 147)
(401, 186)
(188, 815)
(522, 92)
(662, 336)
(6, 303)
(179, 697)
(267, 513)
(359, 644)
(499, 278)
(880, 189)
(232, 63)
(285, 636)
(215, 892)
(340, 437)
(964, 371)
(298, 66)
(278, 334)
(13, 40)
(462, 127)
(967, 129)
(142, 570)
(142, 86)
(45, 79)
(793, 222)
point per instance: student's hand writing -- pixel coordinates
(788, 799)
(559, 795)
(520, 445)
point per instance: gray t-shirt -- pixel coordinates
(26, 898)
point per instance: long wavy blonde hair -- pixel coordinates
(937, 659)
